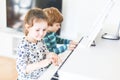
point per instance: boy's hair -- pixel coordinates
(54, 15)
(33, 14)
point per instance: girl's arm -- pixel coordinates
(38, 65)
(22, 62)
(51, 58)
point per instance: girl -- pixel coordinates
(33, 57)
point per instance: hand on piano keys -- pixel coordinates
(54, 58)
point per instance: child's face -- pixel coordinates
(38, 30)
(54, 28)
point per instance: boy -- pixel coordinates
(51, 39)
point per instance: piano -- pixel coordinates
(86, 62)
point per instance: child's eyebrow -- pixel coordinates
(38, 28)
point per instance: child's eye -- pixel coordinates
(37, 30)
(58, 24)
(44, 29)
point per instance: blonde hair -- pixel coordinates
(54, 15)
(33, 14)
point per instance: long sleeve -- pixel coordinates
(52, 40)
(61, 40)
(59, 49)
(21, 63)
(30, 53)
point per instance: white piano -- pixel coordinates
(100, 62)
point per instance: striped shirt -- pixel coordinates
(52, 39)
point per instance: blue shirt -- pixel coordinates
(51, 41)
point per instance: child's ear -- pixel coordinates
(27, 26)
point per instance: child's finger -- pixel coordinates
(58, 60)
(73, 42)
(55, 61)
(72, 46)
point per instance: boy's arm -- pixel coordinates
(62, 41)
(60, 49)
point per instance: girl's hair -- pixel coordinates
(54, 15)
(33, 14)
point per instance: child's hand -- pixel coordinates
(72, 45)
(55, 59)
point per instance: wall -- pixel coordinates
(8, 37)
(80, 15)
(2, 13)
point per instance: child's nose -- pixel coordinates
(41, 32)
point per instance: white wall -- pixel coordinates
(3, 13)
(80, 15)
(8, 37)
